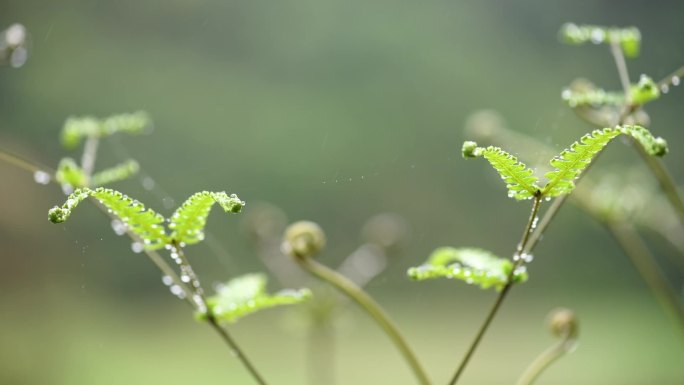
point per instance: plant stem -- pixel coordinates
(656, 166)
(371, 307)
(621, 64)
(504, 292)
(89, 156)
(632, 244)
(544, 360)
(666, 82)
(24, 164)
(235, 349)
(665, 180)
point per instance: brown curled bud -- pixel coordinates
(563, 323)
(303, 239)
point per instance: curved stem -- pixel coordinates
(371, 307)
(24, 164)
(545, 359)
(235, 349)
(665, 180)
(632, 244)
(504, 292)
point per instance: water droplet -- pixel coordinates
(137, 247)
(177, 291)
(185, 278)
(597, 36)
(118, 227)
(41, 177)
(526, 257)
(168, 202)
(565, 94)
(168, 281)
(534, 223)
(148, 183)
(675, 80)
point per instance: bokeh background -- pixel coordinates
(333, 111)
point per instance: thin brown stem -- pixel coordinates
(637, 251)
(522, 245)
(371, 307)
(228, 339)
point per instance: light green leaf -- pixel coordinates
(69, 173)
(520, 181)
(474, 266)
(572, 161)
(247, 294)
(76, 129)
(145, 223)
(188, 222)
(654, 146)
(114, 174)
(644, 91)
(629, 38)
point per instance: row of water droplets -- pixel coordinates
(675, 80)
(187, 276)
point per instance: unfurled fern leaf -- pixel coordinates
(474, 266)
(188, 222)
(571, 162)
(145, 223)
(114, 174)
(247, 294)
(520, 181)
(75, 129)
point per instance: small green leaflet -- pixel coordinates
(145, 223)
(70, 173)
(568, 165)
(247, 294)
(474, 266)
(629, 38)
(187, 224)
(116, 173)
(520, 181)
(77, 128)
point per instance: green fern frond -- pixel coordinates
(520, 181)
(629, 38)
(474, 266)
(75, 129)
(69, 173)
(592, 97)
(59, 214)
(114, 174)
(145, 223)
(571, 162)
(644, 91)
(188, 222)
(247, 294)
(654, 146)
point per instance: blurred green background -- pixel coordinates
(333, 111)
